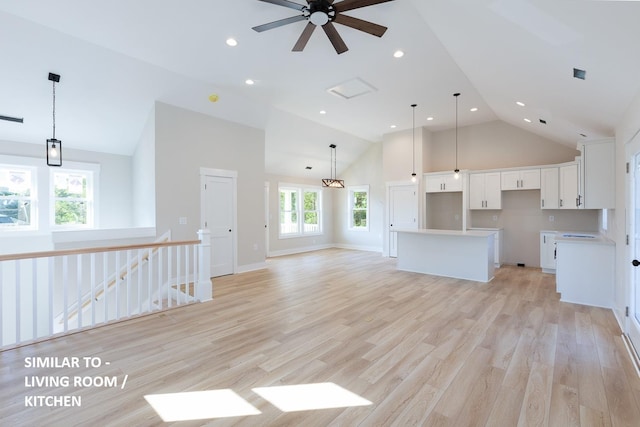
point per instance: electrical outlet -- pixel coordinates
(551, 218)
(495, 217)
(182, 220)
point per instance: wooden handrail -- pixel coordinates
(47, 254)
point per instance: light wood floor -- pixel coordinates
(427, 351)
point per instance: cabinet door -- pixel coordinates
(598, 171)
(492, 191)
(547, 251)
(569, 187)
(549, 188)
(476, 191)
(510, 180)
(433, 184)
(530, 179)
(451, 183)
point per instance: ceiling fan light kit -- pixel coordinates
(324, 13)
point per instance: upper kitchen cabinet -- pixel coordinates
(442, 182)
(485, 191)
(524, 179)
(569, 186)
(597, 175)
(549, 188)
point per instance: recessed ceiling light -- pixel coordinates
(249, 82)
(232, 42)
(527, 120)
(323, 112)
(398, 54)
(474, 109)
(429, 118)
(393, 126)
(520, 103)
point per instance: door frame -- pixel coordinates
(233, 175)
(631, 328)
(387, 213)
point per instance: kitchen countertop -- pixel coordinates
(436, 232)
(580, 237)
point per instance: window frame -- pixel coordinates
(91, 172)
(9, 163)
(300, 210)
(351, 209)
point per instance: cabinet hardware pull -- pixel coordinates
(560, 202)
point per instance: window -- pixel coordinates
(359, 208)
(17, 194)
(72, 198)
(300, 211)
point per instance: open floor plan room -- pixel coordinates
(388, 347)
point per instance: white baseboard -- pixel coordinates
(251, 267)
(299, 250)
(359, 248)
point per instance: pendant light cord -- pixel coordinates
(456, 95)
(413, 136)
(54, 110)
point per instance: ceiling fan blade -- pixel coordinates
(360, 24)
(280, 23)
(334, 37)
(286, 3)
(304, 38)
(345, 5)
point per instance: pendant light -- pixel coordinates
(456, 171)
(333, 182)
(53, 145)
(413, 143)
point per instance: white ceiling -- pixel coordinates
(117, 57)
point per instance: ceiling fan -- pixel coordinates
(324, 13)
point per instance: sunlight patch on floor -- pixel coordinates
(307, 397)
(199, 405)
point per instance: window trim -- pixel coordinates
(93, 174)
(350, 208)
(12, 162)
(301, 189)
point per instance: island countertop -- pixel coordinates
(439, 232)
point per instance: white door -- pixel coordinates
(633, 320)
(266, 219)
(219, 218)
(403, 212)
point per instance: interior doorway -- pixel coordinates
(403, 212)
(632, 326)
(218, 202)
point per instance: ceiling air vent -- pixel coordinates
(351, 89)
(544, 122)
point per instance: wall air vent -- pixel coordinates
(12, 119)
(544, 122)
(579, 74)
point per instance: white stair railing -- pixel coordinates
(45, 294)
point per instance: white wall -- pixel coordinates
(289, 245)
(493, 145)
(365, 171)
(187, 141)
(143, 174)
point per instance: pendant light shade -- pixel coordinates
(333, 182)
(53, 145)
(414, 177)
(456, 171)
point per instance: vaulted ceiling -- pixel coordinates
(116, 58)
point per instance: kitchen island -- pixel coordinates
(452, 253)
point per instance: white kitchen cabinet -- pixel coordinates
(569, 186)
(548, 251)
(485, 191)
(597, 174)
(585, 269)
(442, 183)
(523, 179)
(549, 188)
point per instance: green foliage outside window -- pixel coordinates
(360, 208)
